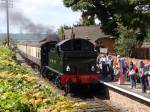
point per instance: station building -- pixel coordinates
(94, 34)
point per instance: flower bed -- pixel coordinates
(21, 92)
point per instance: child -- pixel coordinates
(116, 72)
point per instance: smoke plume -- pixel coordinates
(18, 19)
(24, 23)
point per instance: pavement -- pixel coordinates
(126, 89)
(127, 86)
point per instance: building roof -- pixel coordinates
(91, 33)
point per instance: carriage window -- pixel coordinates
(38, 53)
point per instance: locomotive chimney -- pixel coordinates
(72, 34)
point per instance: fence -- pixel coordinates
(140, 53)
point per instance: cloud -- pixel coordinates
(46, 12)
(2, 21)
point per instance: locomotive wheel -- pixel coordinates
(58, 82)
(67, 88)
(50, 75)
(53, 78)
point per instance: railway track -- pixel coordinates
(94, 103)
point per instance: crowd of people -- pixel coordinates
(118, 69)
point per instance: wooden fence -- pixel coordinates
(140, 53)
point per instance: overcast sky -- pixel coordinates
(50, 13)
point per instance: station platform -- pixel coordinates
(128, 91)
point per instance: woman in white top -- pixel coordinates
(142, 76)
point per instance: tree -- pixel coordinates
(109, 12)
(87, 20)
(60, 32)
(126, 41)
(148, 35)
(4, 40)
(128, 20)
(148, 29)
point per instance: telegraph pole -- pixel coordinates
(7, 4)
(7, 15)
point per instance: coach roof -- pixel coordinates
(48, 38)
(75, 44)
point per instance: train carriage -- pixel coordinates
(36, 53)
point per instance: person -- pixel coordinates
(148, 78)
(124, 66)
(127, 72)
(99, 66)
(147, 73)
(135, 67)
(142, 76)
(116, 72)
(120, 79)
(111, 70)
(103, 67)
(123, 63)
(132, 75)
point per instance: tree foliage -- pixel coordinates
(148, 35)
(109, 12)
(126, 41)
(4, 40)
(148, 28)
(86, 20)
(60, 32)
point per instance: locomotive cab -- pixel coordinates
(79, 58)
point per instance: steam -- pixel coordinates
(25, 24)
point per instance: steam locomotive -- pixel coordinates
(68, 63)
